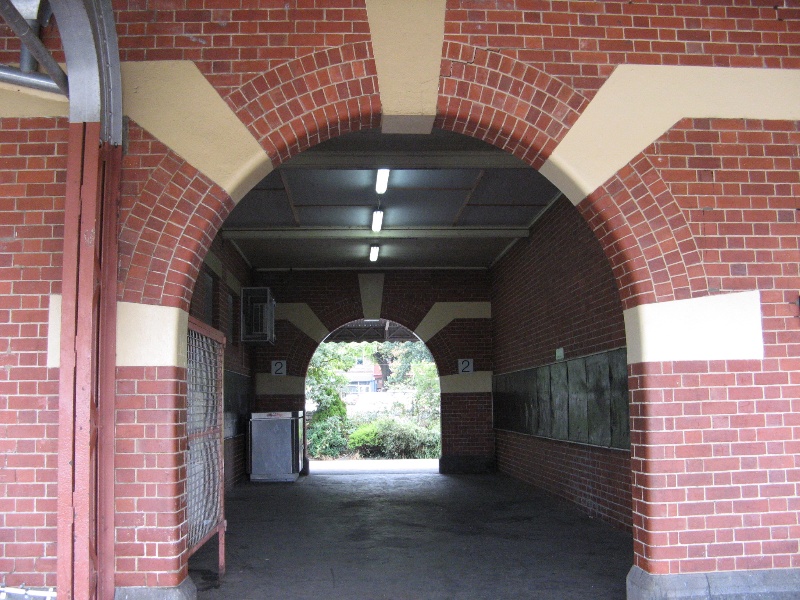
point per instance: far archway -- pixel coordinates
(372, 392)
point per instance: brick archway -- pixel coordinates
(486, 95)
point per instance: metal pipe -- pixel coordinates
(20, 27)
(37, 81)
(27, 62)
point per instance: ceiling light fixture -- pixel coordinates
(373, 253)
(382, 182)
(377, 220)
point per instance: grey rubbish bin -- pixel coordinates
(276, 446)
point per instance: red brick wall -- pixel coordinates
(150, 474)
(714, 443)
(32, 161)
(235, 461)
(596, 479)
(467, 426)
(231, 41)
(552, 290)
(581, 44)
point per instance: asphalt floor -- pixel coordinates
(408, 533)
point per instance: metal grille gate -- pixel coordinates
(205, 481)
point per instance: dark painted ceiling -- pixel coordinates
(452, 201)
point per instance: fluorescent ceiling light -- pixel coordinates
(377, 220)
(373, 253)
(382, 182)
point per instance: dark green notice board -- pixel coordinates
(581, 400)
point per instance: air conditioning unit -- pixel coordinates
(258, 315)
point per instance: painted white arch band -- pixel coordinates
(722, 327)
(174, 102)
(407, 40)
(268, 384)
(301, 316)
(638, 103)
(441, 313)
(147, 335)
(478, 382)
(151, 336)
(371, 287)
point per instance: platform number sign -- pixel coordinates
(465, 365)
(279, 367)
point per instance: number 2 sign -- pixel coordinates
(279, 367)
(465, 365)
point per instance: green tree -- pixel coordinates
(326, 383)
(425, 381)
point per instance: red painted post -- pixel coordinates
(66, 403)
(107, 372)
(81, 374)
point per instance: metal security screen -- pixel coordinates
(204, 422)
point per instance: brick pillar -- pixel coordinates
(151, 453)
(467, 433)
(151, 477)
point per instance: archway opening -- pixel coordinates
(372, 393)
(304, 232)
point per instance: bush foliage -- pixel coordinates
(327, 437)
(392, 438)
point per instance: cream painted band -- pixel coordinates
(371, 286)
(466, 383)
(54, 332)
(174, 101)
(722, 327)
(638, 103)
(268, 384)
(151, 336)
(441, 313)
(19, 102)
(301, 316)
(407, 38)
(147, 336)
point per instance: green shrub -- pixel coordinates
(390, 438)
(365, 440)
(326, 437)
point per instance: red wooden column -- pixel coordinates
(89, 255)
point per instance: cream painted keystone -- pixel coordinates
(721, 327)
(174, 102)
(442, 313)
(371, 286)
(151, 336)
(20, 102)
(638, 103)
(407, 38)
(268, 384)
(466, 383)
(301, 316)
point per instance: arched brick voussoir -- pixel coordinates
(504, 102)
(167, 232)
(309, 100)
(524, 111)
(645, 236)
